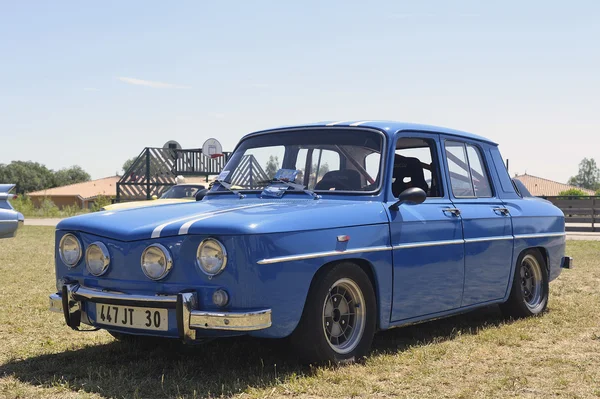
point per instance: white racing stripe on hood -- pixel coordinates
(186, 226)
(200, 216)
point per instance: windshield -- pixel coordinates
(326, 160)
(181, 192)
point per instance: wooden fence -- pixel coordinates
(581, 213)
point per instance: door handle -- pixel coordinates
(503, 211)
(454, 211)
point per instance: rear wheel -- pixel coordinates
(530, 288)
(339, 317)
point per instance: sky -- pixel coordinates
(92, 84)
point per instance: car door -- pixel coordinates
(486, 222)
(427, 238)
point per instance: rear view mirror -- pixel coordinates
(410, 196)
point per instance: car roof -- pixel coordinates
(388, 127)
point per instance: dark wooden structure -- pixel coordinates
(580, 210)
(155, 170)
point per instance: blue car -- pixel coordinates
(323, 233)
(10, 220)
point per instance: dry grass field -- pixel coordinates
(475, 355)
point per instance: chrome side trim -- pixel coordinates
(540, 235)
(485, 239)
(313, 255)
(230, 321)
(428, 244)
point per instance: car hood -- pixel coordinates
(143, 204)
(227, 217)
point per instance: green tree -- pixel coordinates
(572, 192)
(28, 176)
(128, 164)
(72, 175)
(588, 175)
(272, 166)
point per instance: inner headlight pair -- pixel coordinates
(211, 258)
(97, 257)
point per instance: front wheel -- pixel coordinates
(529, 292)
(339, 317)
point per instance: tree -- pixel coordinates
(572, 192)
(32, 176)
(72, 175)
(28, 176)
(128, 164)
(588, 176)
(272, 166)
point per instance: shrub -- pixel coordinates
(572, 192)
(100, 202)
(70, 210)
(48, 209)
(24, 205)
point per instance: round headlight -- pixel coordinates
(69, 250)
(211, 256)
(97, 258)
(156, 262)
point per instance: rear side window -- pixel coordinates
(468, 176)
(481, 183)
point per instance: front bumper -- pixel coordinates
(70, 301)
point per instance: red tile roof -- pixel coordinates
(89, 189)
(539, 186)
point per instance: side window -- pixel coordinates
(460, 177)
(468, 176)
(481, 183)
(323, 161)
(415, 165)
(371, 164)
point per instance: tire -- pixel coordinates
(530, 288)
(332, 328)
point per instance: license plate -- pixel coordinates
(132, 317)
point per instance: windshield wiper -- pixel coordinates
(294, 186)
(227, 186)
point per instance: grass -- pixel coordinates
(475, 355)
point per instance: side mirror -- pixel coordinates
(200, 194)
(410, 196)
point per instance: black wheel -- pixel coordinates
(339, 317)
(529, 292)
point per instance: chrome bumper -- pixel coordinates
(189, 317)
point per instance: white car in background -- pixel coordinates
(10, 220)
